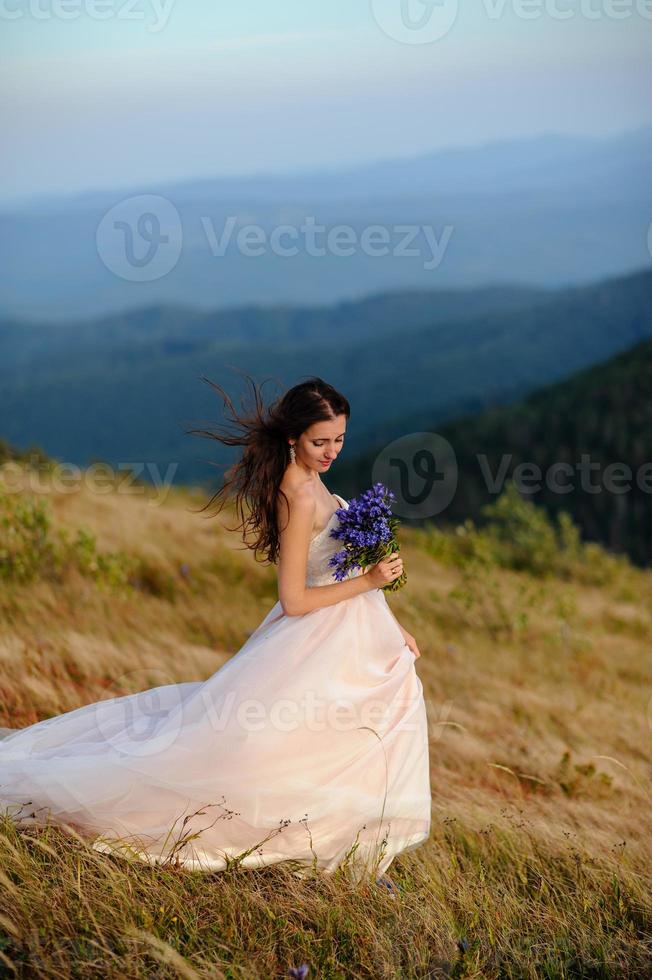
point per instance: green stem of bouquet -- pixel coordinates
(382, 551)
(373, 556)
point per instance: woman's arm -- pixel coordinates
(295, 598)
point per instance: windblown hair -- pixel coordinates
(254, 479)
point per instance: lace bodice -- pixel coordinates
(321, 548)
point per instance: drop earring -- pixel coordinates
(293, 455)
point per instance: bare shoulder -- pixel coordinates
(300, 500)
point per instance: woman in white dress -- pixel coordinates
(309, 745)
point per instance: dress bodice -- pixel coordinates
(321, 548)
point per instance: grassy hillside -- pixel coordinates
(537, 690)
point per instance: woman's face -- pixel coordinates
(319, 445)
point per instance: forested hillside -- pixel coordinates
(127, 389)
(591, 439)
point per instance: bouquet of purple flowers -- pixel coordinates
(367, 532)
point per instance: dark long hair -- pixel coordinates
(254, 479)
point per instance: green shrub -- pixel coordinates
(108, 568)
(519, 535)
(459, 547)
(26, 547)
(30, 548)
(33, 455)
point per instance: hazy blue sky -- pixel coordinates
(109, 93)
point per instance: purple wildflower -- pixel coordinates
(366, 529)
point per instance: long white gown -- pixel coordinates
(309, 745)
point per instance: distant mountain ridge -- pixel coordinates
(496, 165)
(23, 343)
(128, 388)
(545, 211)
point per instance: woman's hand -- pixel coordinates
(411, 642)
(386, 571)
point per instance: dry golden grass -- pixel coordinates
(538, 699)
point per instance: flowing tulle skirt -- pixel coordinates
(309, 745)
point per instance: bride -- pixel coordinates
(310, 744)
